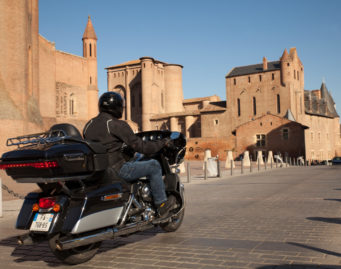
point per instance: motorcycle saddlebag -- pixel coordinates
(59, 161)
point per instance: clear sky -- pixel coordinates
(207, 37)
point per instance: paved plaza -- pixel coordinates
(280, 218)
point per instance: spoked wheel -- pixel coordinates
(174, 223)
(74, 255)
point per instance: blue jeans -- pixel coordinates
(151, 169)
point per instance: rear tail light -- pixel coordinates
(38, 165)
(47, 202)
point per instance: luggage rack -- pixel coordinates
(39, 138)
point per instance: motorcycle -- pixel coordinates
(81, 202)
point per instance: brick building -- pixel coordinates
(266, 108)
(39, 85)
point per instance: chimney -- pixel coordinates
(265, 64)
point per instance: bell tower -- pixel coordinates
(90, 53)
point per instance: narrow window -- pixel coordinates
(254, 106)
(278, 104)
(234, 81)
(260, 77)
(216, 122)
(294, 74)
(273, 76)
(298, 75)
(90, 49)
(285, 134)
(238, 104)
(249, 79)
(90, 80)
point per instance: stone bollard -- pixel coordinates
(229, 160)
(246, 159)
(207, 155)
(270, 158)
(250, 164)
(260, 157)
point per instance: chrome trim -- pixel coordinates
(109, 233)
(98, 220)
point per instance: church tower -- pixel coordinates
(90, 53)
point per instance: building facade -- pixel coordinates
(266, 108)
(39, 85)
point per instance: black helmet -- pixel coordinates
(112, 103)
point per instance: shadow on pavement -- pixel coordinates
(328, 252)
(327, 220)
(331, 199)
(42, 252)
(300, 266)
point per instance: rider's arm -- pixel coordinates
(126, 134)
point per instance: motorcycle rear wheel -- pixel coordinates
(74, 255)
(174, 223)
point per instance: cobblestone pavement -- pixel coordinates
(285, 218)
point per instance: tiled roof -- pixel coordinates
(253, 69)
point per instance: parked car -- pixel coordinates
(336, 160)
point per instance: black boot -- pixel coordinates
(165, 207)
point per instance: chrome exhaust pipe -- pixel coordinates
(26, 239)
(110, 233)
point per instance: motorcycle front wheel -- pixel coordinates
(174, 223)
(74, 255)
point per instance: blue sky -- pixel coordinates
(208, 37)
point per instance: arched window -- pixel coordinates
(90, 49)
(72, 105)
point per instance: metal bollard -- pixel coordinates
(265, 161)
(188, 173)
(271, 163)
(242, 167)
(258, 164)
(205, 170)
(231, 167)
(276, 163)
(218, 168)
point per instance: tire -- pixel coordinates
(74, 255)
(173, 224)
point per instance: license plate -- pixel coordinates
(41, 222)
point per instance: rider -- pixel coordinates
(115, 134)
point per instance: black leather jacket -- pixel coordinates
(112, 133)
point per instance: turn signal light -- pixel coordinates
(56, 208)
(38, 165)
(35, 207)
(47, 202)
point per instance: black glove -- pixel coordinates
(169, 143)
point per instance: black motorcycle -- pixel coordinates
(81, 202)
